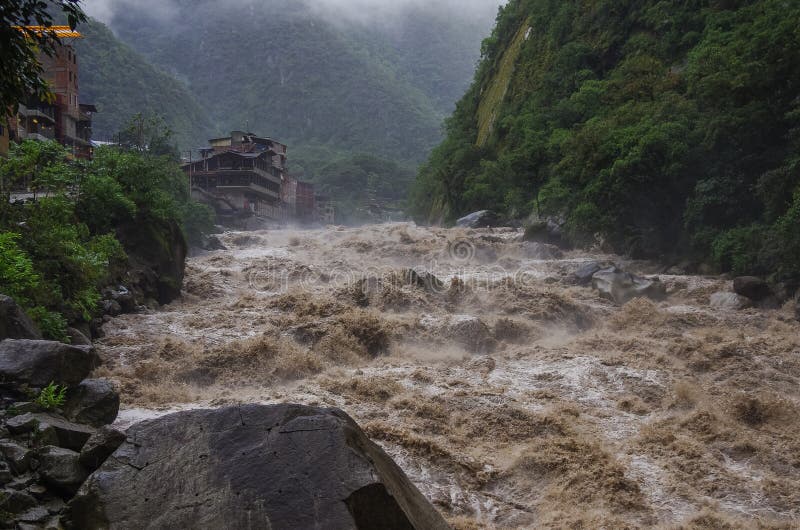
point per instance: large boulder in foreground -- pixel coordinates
(255, 466)
(14, 322)
(621, 287)
(37, 363)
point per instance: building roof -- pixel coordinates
(61, 32)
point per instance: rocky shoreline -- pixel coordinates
(48, 451)
(63, 465)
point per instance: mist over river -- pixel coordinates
(511, 396)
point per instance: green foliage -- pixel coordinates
(121, 83)
(197, 220)
(660, 128)
(355, 182)
(52, 324)
(52, 396)
(18, 279)
(57, 251)
(291, 70)
(37, 166)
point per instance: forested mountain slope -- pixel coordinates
(660, 128)
(122, 83)
(310, 77)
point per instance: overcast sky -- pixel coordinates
(358, 10)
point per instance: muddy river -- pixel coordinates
(512, 397)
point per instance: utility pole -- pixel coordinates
(190, 173)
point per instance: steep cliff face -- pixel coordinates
(650, 125)
(157, 256)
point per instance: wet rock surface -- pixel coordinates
(481, 219)
(280, 466)
(751, 287)
(38, 362)
(620, 286)
(14, 322)
(41, 463)
(726, 300)
(92, 401)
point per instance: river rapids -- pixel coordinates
(510, 396)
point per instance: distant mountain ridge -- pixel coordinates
(284, 69)
(121, 83)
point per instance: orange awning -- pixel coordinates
(61, 32)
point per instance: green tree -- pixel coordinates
(20, 71)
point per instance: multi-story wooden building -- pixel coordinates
(244, 175)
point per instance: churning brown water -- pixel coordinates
(512, 398)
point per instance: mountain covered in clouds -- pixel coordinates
(122, 83)
(329, 77)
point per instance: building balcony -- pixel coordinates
(237, 180)
(38, 113)
(38, 137)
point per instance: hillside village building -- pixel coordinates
(65, 119)
(244, 175)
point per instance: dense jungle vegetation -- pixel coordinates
(58, 249)
(659, 128)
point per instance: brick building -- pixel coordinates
(63, 118)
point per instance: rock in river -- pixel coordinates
(621, 286)
(481, 219)
(255, 466)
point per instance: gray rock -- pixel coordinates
(15, 501)
(21, 407)
(549, 230)
(77, 338)
(37, 363)
(23, 482)
(37, 490)
(124, 298)
(18, 457)
(5, 474)
(726, 300)
(621, 287)
(211, 243)
(797, 309)
(472, 333)
(22, 423)
(93, 401)
(751, 287)
(541, 251)
(52, 429)
(37, 514)
(100, 446)
(14, 322)
(255, 466)
(53, 523)
(424, 280)
(61, 468)
(481, 219)
(111, 307)
(67, 434)
(583, 276)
